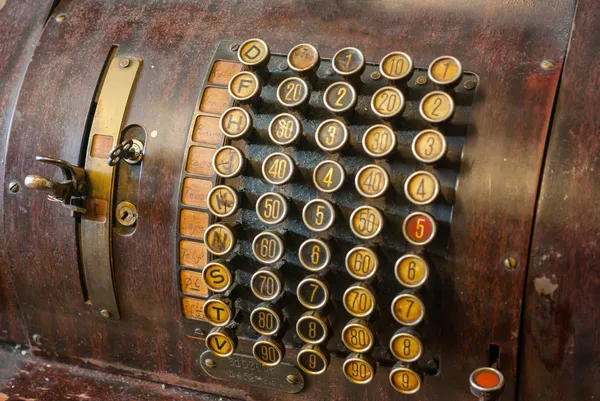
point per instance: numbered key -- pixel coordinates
(266, 284)
(404, 379)
(379, 141)
(406, 346)
(313, 359)
(313, 292)
(245, 87)
(411, 270)
(268, 247)
(421, 187)
(340, 98)
(358, 336)
(223, 201)
(305, 60)
(408, 309)
(419, 228)
(329, 176)
(359, 300)
(318, 215)
(396, 66)
(429, 146)
(372, 181)
(219, 239)
(266, 319)
(235, 123)
(359, 368)
(366, 222)
(331, 135)
(268, 351)
(388, 102)
(314, 254)
(445, 70)
(228, 162)
(278, 168)
(285, 129)
(361, 262)
(221, 341)
(293, 92)
(312, 327)
(218, 310)
(349, 63)
(437, 107)
(217, 277)
(272, 208)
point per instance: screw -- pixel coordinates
(422, 80)
(432, 367)
(199, 332)
(37, 339)
(124, 63)
(14, 187)
(210, 363)
(510, 263)
(375, 75)
(469, 85)
(104, 313)
(329, 72)
(234, 47)
(60, 17)
(283, 66)
(547, 65)
(291, 379)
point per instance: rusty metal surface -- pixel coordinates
(503, 41)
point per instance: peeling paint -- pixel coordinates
(544, 286)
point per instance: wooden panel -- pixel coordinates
(21, 24)
(504, 42)
(561, 342)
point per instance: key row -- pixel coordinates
(349, 63)
(366, 222)
(340, 98)
(379, 141)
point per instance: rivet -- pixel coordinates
(124, 63)
(37, 339)
(104, 313)
(60, 17)
(291, 379)
(469, 85)
(510, 263)
(14, 187)
(234, 47)
(375, 75)
(422, 80)
(283, 66)
(210, 363)
(547, 65)
(199, 332)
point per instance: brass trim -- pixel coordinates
(96, 241)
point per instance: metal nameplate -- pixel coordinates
(245, 369)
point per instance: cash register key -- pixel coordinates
(379, 141)
(217, 277)
(388, 102)
(219, 239)
(331, 135)
(396, 66)
(235, 123)
(268, 247)
(429, 146)
(419, 228)
(228, 162)
(318, 215)
(305, 60)
(359, 300)
(221, 341)
(312, 327)
(405, 379)
(437, 107)
(408, 309)
(445, 71)
(293, 93)
(278, 168)
(405, 345)
(366, 222)
(329, 176)
(359, 368)
(361, 262)
(266, 319)
(313, 292)
(254, 53)
(349, 63)
(266, 284)
(219, 310)
(372, 181)
(313, 359)
(245, 87)
(411, 270)
(421, 187)
(285, 129)
(223, 201)
(272, 208)
(358, 336)
(340, 98)
(268, 351)
(314, 254)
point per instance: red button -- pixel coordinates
(486, 379)
(419, 228)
